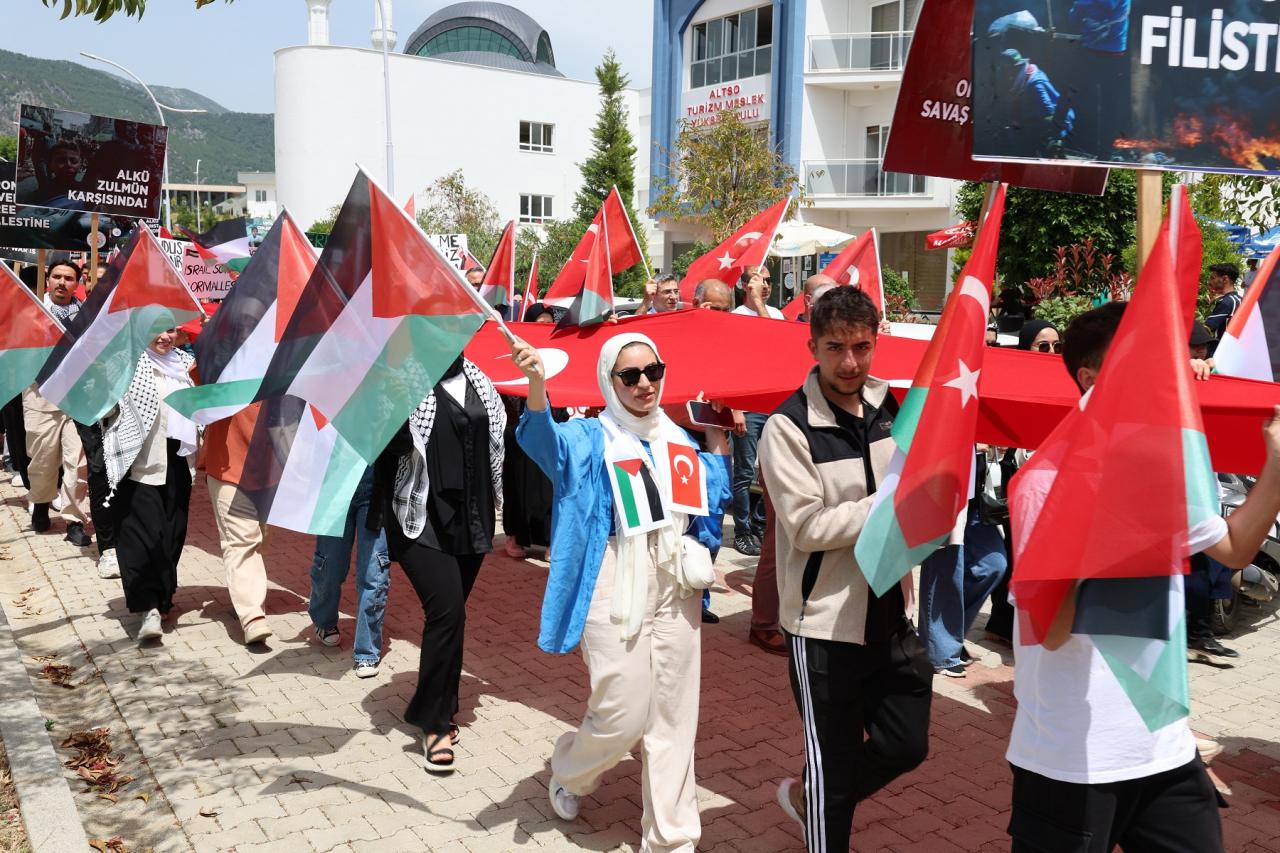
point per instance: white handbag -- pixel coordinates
(695, 564)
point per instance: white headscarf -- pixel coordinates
(177, 426)
(631, 585)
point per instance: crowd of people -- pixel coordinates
(627, 502)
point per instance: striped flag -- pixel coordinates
(237, 344)
(594, 302)
(624, 249)
(226, 243)
(27, 336)
(635, 493)
(498, 287)
(1141, 419)
(381, 319)
(140, 296)
(927, 486)
(1250, 346)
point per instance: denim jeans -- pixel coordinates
(748, 510)
(373, 576)
(954, 582)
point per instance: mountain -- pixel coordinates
(225, 142)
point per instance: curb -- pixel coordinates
(48, 808)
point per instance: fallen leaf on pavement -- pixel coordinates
(59, 674)
(209, 811)
(145, 797)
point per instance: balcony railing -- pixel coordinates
(859, 51)
(860, 178)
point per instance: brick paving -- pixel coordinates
(283, 749)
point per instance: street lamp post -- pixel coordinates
(160, 108)
(198, 225)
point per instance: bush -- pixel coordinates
(899, 296)
(1061, 310)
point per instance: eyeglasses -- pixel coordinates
(631, 376)
(1046, 346)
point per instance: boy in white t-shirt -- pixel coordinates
(1087, 772)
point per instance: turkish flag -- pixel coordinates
(745, 248)
(954, 237)
(858, 264)
(624, 249)
(688, 489)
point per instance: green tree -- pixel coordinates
(101, 10)
(9, 148)
(1251, 200)
(185, 215)
(721, 175)
(324, 225)
(1037, 222)
(452, 207)
(612, 163)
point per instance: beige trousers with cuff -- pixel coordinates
(53, 444)
(242, 542)
(642, 690)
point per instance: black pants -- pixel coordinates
(865, 711)
(443, 583)
(104, 524)
(15, 430)
(1171, 812)
(153, 529)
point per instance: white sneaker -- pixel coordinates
(150, 629)
(786, 799)
(108, 565)
(257, 631)
(564, 804)
(366, 669)
(16, 481)
(57, 503)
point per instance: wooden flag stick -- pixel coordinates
(1150, 213)
(41, 255)
(93, 251)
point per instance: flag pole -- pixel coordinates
(93, 249)
(1149, 213)
(41, 255)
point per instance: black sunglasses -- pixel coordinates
(631, 376)
(1046, 346)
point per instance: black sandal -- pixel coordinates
(454, 732)
(439, 759)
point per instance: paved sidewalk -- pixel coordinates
(284, 749)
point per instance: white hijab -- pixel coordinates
(631, 584)
(177, 426)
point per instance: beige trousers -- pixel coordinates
(242, 542)
(53, 444)
(645, 689)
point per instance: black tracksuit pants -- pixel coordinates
(865, 710)
(104, 519)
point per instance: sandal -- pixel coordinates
(439, 759)
(454, 732)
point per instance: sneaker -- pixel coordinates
(76, 535)
(58, 503)
(108, 565)
(257, 631)
(1211, 646)
(150, 629)
(564, 804)
(966, 659)
(956, 671)
(17, 480)
(366, 668)
(791, 798)
(328, 636)
(746, 545)
(770, 640)
(513, 550)
(40, 518)
(1208, 748)
(709, 618)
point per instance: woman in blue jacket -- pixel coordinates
(636, 510)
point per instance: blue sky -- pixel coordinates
(224, 52)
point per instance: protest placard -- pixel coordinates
(933, 131)
(48, 228)
(453, 247)
(70, 161)
(1144, 84)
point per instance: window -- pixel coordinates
(468, 39)
(535, 209)
(732, 48)
(259, 195)
(535, 136)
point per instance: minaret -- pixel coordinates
(384, 31)
(318, 21)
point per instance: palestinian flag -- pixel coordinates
(530, 287)
(381, 319)
(926, 489)
(594, 302)
(27, 336)
(624, 249)
(140, 296)
(236, 345)
(498, 287)
(636, 496)
(1140, 419)
(226, 243)
(858, 264)
(1250, 346)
